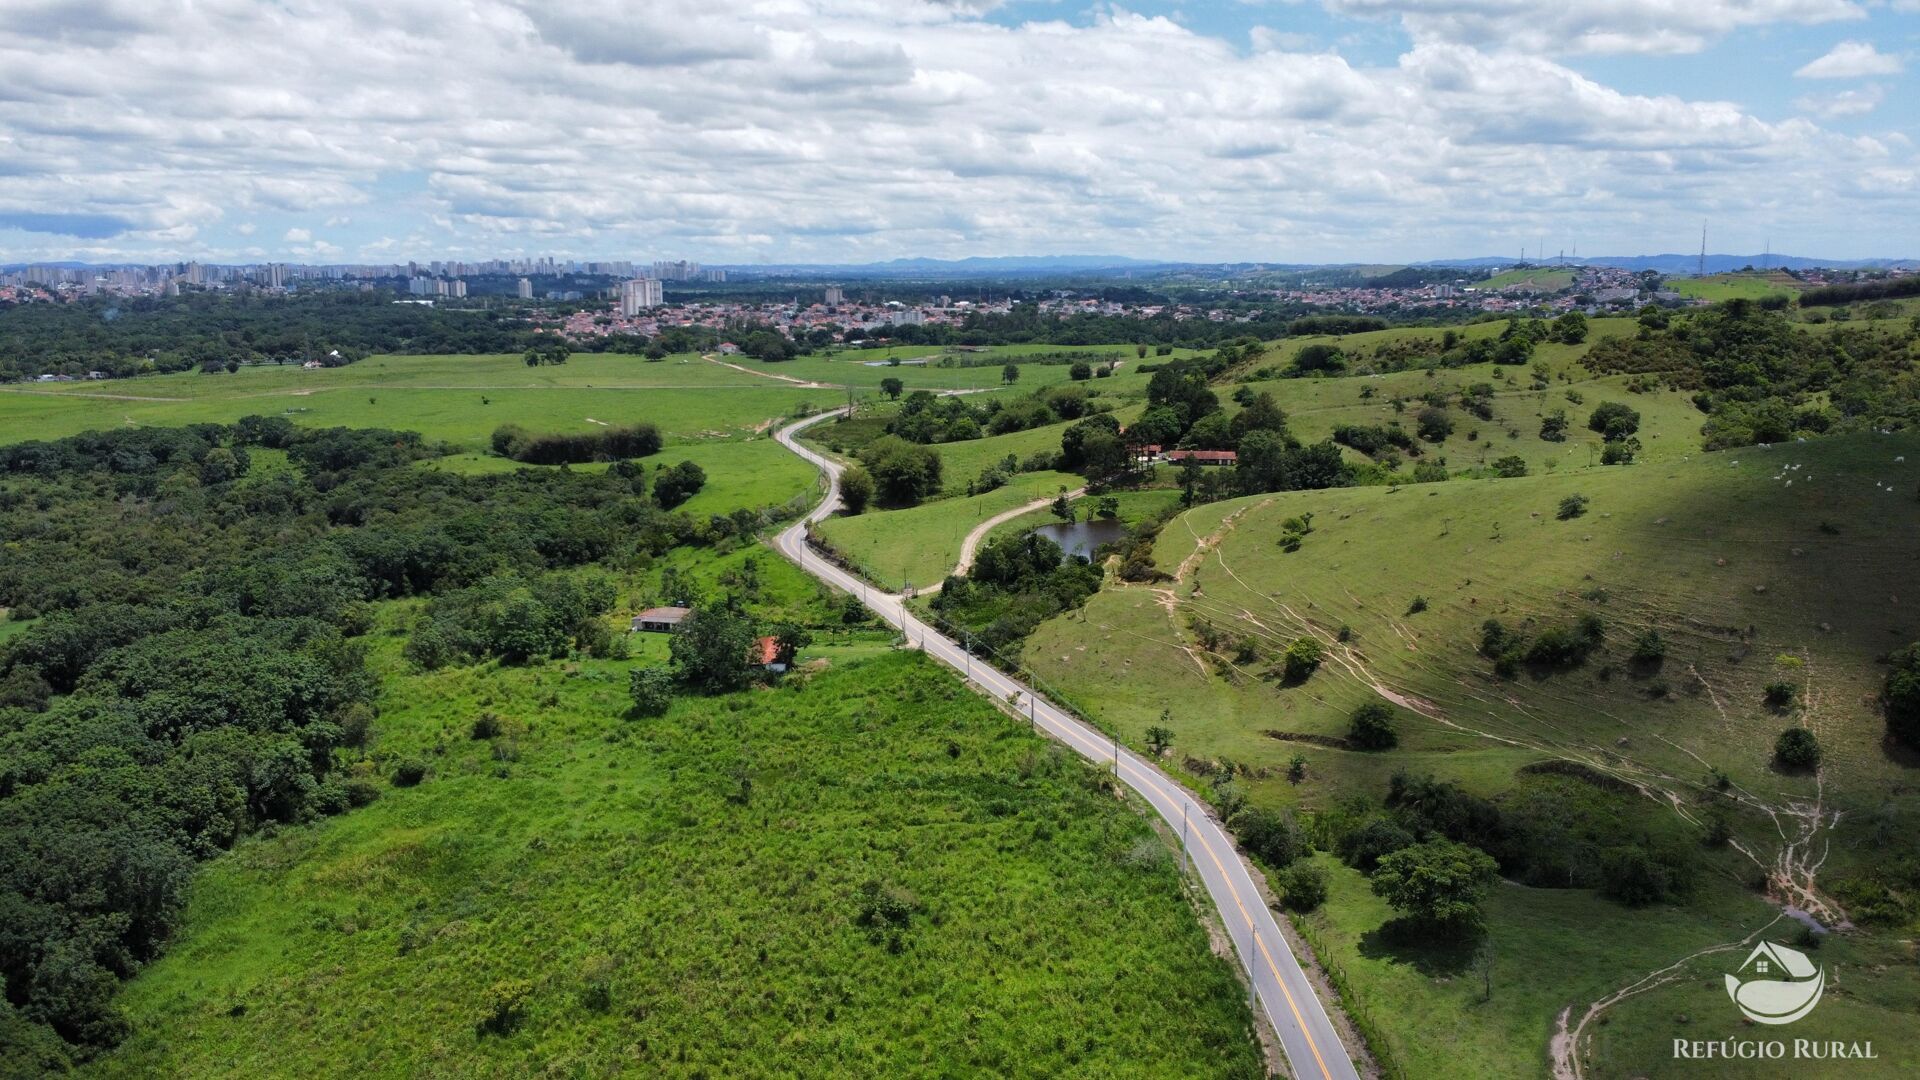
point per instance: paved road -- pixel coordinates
(1312, 1046)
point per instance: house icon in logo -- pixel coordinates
(1776, 985)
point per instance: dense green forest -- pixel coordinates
(190, 672)
(123, 336)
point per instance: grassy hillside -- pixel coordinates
(1755, 567)
(1750, 286)
(867, 871)
(1538, 277)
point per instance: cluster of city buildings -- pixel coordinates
(644, 308)
(1592, 288)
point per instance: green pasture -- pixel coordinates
(1747, 579)
(685, 897)
(1744, 286)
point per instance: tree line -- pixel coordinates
(193, 670)
(125, 336)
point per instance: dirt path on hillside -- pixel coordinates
(1803, 825)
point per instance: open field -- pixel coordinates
(685, 897)
(432, 399)
(1747, 286)
(1539, 278)
(865, 368)
(920, 545)
(1748, 579)
(742, 471)
(709, 414)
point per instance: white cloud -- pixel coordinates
(1850, 60)
(1592, 26)
(843, 130)
(1844, 103)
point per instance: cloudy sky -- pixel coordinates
(741, 131)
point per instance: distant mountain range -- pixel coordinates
(973, 266)
(1689, 264)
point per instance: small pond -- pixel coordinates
(1082, 537)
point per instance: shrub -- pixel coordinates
(1417, 605)
(1779, 695)
(1434, 425)
(856, 488)
(1572, 507)
(1272, 836)
(1901, 697)
(1504, 647)
(409, 772)
(651, 689)
(1796, 748)
(1649, 648)
(878, 906)
(676, 484)
(1614, 420)
(1510, 466)
(1159, 737)
(1363, 846)
(1303, 659)
(1303, 886)
(503, 1005)
(1633, 877)
(1554, 647)
(485, 726)
(1620, 453)
(1371, 728)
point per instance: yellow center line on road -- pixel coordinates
(1266, 955)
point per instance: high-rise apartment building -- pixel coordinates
(524, 289)
(640, 294)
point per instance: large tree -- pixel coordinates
(903, 472)
(712, 651)
(1438, 883)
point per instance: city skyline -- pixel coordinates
(847, 131)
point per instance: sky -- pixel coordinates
(845, 131)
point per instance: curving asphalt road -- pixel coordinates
(1312, 1045)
